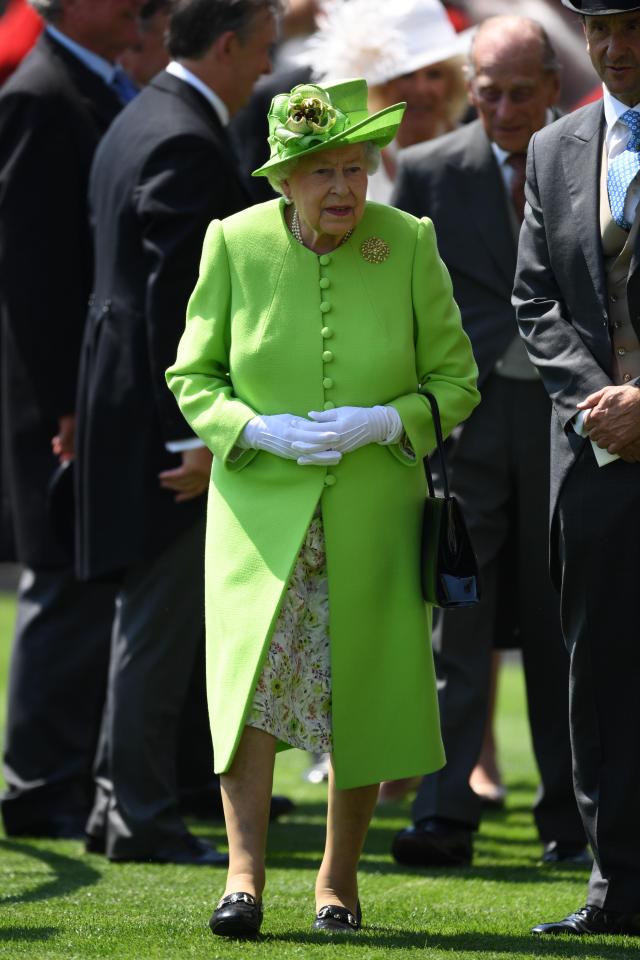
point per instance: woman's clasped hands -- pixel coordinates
(325, 436)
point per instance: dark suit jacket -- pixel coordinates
(162, 173)
(53, 111)
(560, 289)
(455, 181)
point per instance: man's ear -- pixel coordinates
(226, 45)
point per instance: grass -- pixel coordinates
(57, 902)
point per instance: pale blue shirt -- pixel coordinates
(91, 60)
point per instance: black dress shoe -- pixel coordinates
(94, 843)
(558, 852)
(593, 920)
(207, 805)
(280, 807)
(433, 843)
(334, 919)
(237, 915)
(191, 852)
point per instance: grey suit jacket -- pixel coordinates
(560, 290)
(456, 182)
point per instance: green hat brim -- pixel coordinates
(380, 128)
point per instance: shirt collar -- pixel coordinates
(613, 110)
(503, 155)
(178, 70)
(91, 60)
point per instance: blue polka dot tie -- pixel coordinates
(623, 169)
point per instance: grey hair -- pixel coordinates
(284, 171)
(550, 62)
(48, 9)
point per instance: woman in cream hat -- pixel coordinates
(316, 321)
(407, 50)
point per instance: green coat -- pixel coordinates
(274, 328)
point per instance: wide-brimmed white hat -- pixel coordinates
(380, 39)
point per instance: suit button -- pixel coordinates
(327, 333)
(325, 283)
(325, 260)
(621, 351)
(613, 298)
(329, 480)
(327, 356)
(328, 405)
(618, 324)
(627, 377)
(327, 383)
(325, 307)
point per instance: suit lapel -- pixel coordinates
(481, 188)
(98, 98)
(581, 159)
(196, 101)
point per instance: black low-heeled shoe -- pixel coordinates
(237, 915)
(334, 919)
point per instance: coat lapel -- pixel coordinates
(481, 188)
(581, 158)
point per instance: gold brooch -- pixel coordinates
(375, 250)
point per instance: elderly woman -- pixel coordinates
(316, 322)
(406, 50)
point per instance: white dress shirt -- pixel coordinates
(99, 65)
(616, 140)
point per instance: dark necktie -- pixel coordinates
(518, 163)
(123, 86)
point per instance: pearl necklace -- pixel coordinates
(297, 232)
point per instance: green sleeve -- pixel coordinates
(199, 378)
(444, 360)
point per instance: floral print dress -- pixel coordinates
(293, 695)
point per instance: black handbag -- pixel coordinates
(449, 565)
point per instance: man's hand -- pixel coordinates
(631, 453)
(613, 418)
(63, 444)
(192, 478)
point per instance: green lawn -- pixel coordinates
(57, 902)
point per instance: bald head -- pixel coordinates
(512, 79)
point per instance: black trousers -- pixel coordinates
(499, 469)
(157, 635)
(598, 539)
(56, 694)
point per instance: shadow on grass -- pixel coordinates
(70, 873)
(471, 943)
(27, 934)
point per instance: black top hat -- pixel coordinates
(599, 8)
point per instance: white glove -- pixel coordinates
(281, 433)
(354, 427)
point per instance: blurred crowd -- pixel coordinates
(125, 128)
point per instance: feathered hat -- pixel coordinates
(380, 39)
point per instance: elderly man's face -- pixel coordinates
(106, 26)
(511, 90)
(613, 43)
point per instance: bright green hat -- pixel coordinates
(313, 118)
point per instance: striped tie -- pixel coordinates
(623, 170)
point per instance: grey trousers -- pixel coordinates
(56, 694)
(598, 539)
(500, 472)
(156, 636)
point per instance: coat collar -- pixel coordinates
(99, 99)
(481, 188)
(581, 152)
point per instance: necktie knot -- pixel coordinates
(123, 86)
(631, 119)
(518, 163)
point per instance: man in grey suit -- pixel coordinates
(471, 184)
(577, 295)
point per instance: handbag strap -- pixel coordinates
(435, 413)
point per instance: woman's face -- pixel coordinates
(426, 92)
(329, 190)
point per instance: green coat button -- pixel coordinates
(329, 480)
(327, 333)
(327, 383)
(325, 307)
(325, 260)
(327, 356)
(328, 405)
(325, 283)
